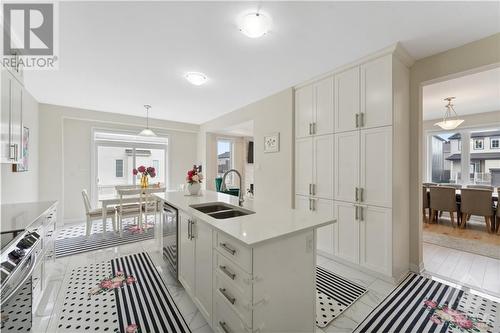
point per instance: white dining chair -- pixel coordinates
(129, 210)
(96, 214)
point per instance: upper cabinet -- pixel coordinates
(314, 109)
(376, 92)
(304, 111)
(347, 100)
(11, 119)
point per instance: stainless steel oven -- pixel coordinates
(19, 263)
(170, 238)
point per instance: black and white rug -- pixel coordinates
(421, 304)
(334, 295)
(72, 240)
(124, 295)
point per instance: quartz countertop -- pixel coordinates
(268, 222)
(20, 216)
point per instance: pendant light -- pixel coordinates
(450, 119)
(147, 131)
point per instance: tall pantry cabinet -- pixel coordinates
(356, 163)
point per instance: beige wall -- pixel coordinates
(65, 151)
(23, 186)
(484, 52)
(272, 171)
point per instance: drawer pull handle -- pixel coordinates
(227, 272)
(225, 294)
(224, 327)
(227, 248)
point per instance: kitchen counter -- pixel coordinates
(20, 216)
(266, 224)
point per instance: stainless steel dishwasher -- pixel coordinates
(170, 238)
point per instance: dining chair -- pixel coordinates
(150, 203)
(477, 202)
(443, 199)
(481, 187)
(96, 214)
(129, 210)
(455, 186)
(425, 203)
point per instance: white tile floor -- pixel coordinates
(49, 310)
(472, 270)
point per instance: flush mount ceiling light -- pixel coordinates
(450, 119)
(255, 25)
(196, 78)
(147, 131)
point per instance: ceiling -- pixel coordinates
(117, 56)
(475, 93)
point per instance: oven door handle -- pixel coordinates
(28, 275)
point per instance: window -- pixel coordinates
(478, 144)
(459, 145)
(224, 158)
(495, 143)
(118, 168)
(156, 165)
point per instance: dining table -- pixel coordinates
(114, 199)
(458, 192)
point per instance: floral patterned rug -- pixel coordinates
(421, 304)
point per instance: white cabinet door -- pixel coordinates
(376, 239)
(323, 166)
(303, 165)
(347, 231)
(186, 255)
(323, 102)
(325, 236)
(304, 111)
(346, 99)
(203, 268)
(346, 167)
(376, 92)
(376, 166)
(5, 116)
(302, 203)
(16, 119)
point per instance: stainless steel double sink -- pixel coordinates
(221, 210)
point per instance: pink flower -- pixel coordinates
(131, 328)
(135, 172)
(118, 273)
(117, 284)
(130, 280)
(431, 304)
(141, 169)
(106, 284)
(436, 320)
(153, 174)
(464, 322)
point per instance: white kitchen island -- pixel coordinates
(252, 273)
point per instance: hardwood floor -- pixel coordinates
(476, 230)
(472, 270)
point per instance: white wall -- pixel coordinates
(272, 171)
(65, 151)
(23, 186)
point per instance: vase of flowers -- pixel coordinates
(194, 178)
(145, 174)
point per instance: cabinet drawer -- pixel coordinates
(226, 320)
(235, 251)
(233, 274)
(233, 299)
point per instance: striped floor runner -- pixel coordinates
(73, 245)
(334, 295)
(420, 304)
(146, 303)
